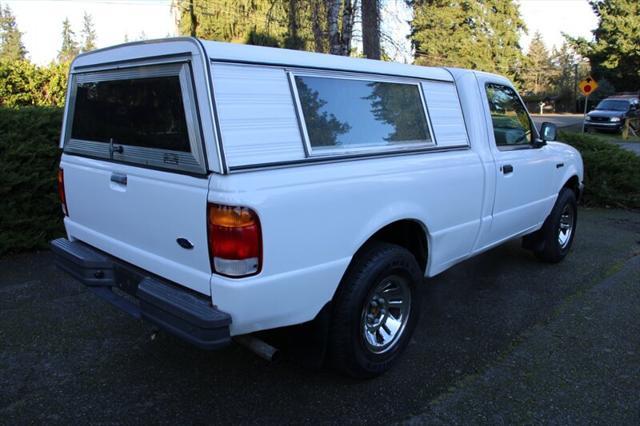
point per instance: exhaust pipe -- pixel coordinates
(257, 346)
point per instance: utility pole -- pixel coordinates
(575, 87)
(192, 16)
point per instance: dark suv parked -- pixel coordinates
(611, 113)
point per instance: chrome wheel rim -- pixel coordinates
(385, 314)
(565, 229)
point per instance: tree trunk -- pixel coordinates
(193, 23)
(371, 28)
(293, 41)
(333, 10)
(347, 26)
(293, 18)
(318, 38)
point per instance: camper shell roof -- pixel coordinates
(241, 53)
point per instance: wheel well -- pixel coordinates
(409, 234)
(573, 184)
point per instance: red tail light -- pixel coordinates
(61, 194)
(235, 240)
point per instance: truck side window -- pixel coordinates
(511, 123)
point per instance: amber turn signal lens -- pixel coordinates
(231, 217)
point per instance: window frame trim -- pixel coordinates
(192, 162)
(310, 152)
(534, 132)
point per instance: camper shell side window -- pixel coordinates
(141, 115)
(353, 114)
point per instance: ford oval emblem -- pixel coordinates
(184, 243)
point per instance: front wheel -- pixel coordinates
(375, 311)
(559, 229)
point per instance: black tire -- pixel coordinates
(372, 268)
(552, 249)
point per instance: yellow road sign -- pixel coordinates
(588, 86)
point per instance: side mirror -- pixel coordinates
(548, 131)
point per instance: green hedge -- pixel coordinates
(612, 174)
(30, 212)
(23, 83)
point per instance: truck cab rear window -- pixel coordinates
(354, 114)
(142, 115)
(144, 112)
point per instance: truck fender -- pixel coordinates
(389, 215)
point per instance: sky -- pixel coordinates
(553, 17)
(41, 22)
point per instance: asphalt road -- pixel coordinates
(560, 120)
(502, 339)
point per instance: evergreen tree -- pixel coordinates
(88, 33)
(477, 34)
(233, 20)
(615, 52)
(503, 29)
(69, 48)
(539, 72)
(11, 46)
(293, 24)
(568, 70)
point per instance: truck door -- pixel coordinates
(524, 170)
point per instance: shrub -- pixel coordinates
(23, 83)
(612, 174)
(30, 212)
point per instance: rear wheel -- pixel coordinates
(376, 311)
(559, 229)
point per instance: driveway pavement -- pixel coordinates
(560, 120)
(502, 339)
(630, 146)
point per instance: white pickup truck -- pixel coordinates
(218, 189)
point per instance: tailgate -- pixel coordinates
(141, 221)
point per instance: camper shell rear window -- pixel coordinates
(140, 115)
